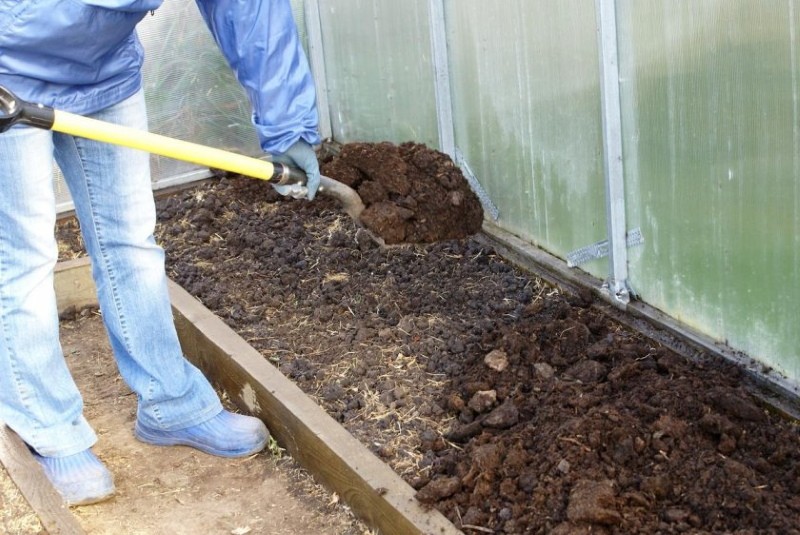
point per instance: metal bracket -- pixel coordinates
(486, 202)
(601, 249)
(618, 291)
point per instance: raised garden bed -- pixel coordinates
(510, 405)
(239, 489)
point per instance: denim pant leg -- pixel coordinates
(112, 192)
(38, 398)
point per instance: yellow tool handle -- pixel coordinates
(77, 125)
(15, 111)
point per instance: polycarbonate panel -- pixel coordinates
(191, 92)
(525, 77)
(379, 72)
(711, 106)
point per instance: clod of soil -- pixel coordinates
(512, 406)
(411, 194)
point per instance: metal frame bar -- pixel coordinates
(444, 101)
(316, 55)
(441, 66)
(617, 284)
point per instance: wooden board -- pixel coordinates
(29, 478)
(74, 285)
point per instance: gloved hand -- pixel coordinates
(302, 156)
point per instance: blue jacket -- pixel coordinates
(82, 56)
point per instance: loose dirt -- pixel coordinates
(512, 406)
(411, 194)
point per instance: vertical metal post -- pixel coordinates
(444, 101)
(317, 60)
(441, 66)
(612, 150)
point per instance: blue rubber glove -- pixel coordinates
(302, 156)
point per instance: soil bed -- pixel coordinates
(512, 406)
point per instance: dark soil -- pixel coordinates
(512, 406)
(412, 194)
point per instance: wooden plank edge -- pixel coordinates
(30, 479)
(320, 444)
(74, 285)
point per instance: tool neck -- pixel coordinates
(13, 111)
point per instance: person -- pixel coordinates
(84, 57)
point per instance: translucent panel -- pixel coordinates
(191, 93)
(380, 78)
(711, 124)
(527, 116)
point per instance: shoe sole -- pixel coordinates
(91, 500)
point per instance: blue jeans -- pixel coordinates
(113, 198)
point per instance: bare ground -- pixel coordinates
(180, 490)
(175, 490)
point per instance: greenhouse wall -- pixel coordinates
(664, 132)
(379, 70)
(712, 167)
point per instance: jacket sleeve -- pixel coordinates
(259, 39)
